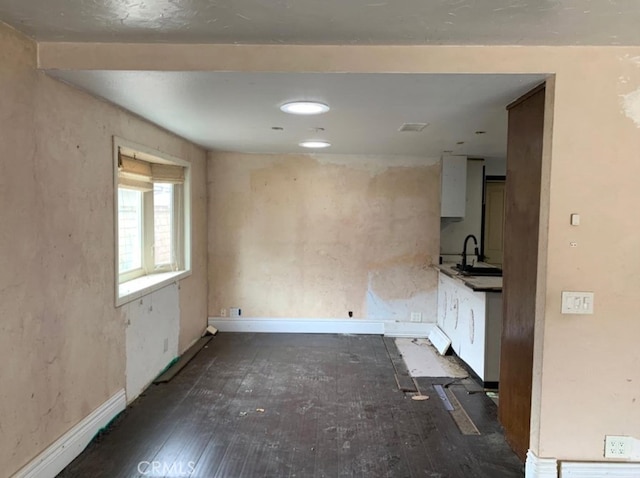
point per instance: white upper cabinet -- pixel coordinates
(454, 186)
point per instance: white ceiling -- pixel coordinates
(517, 22)
(236, 111)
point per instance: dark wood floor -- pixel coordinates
(331, 408)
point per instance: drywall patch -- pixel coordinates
(631, 106)
(400, 309)
(627, 58)
(153, 329)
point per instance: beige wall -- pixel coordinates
(62, 341)
(593, 171)
(318, 236)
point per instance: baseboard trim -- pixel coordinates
(440, 340)
(536, 467)
(322, 326)
(598, 470)
(420, 330)
(63, 451)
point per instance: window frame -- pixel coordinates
(140, 271)
(132, 285)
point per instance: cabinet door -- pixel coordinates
(447, 307)
(454, 186)
(472, 329)
(443, 296)
(457, 320)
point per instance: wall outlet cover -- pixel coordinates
(616, 446)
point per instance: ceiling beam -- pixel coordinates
(306, 58)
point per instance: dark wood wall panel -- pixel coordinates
(522, 217)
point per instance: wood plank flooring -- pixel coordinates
(332, 408)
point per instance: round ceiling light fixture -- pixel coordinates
(315, 144)
(304, 108)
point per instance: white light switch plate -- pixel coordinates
(577, 302)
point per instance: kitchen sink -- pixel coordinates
(480, 271)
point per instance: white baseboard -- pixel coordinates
(298, 326)
(599, 470)
(548, 468)
(410, 330)
(62, 452)
(540, 467)
(440, 340)
(322, 326)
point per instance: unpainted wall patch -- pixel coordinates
(631, 106)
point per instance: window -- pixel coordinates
(152, 220)
(129, 230)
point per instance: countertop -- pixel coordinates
(475, 283)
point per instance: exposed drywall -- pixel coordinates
(631, 105)
(318, 236)
(153, 325)
(454, 231)
(62, 341)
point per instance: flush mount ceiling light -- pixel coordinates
(314, 144)
(304, 108)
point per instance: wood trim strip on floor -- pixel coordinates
(184, 359)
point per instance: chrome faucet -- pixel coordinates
(463, 266)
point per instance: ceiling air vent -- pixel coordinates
(413, 127)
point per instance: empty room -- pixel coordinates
(319, 239)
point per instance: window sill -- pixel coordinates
(136, 288)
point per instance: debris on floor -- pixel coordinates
(420, 398)
(423, 360)
(210, 330)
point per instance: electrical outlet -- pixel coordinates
(223, 312)
(416, 316)
(235, 312)
(617, 446)
(166, 344)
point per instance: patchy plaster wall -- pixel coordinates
(318, 236)
(62, 341)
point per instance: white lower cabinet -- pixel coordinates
(473, 322)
